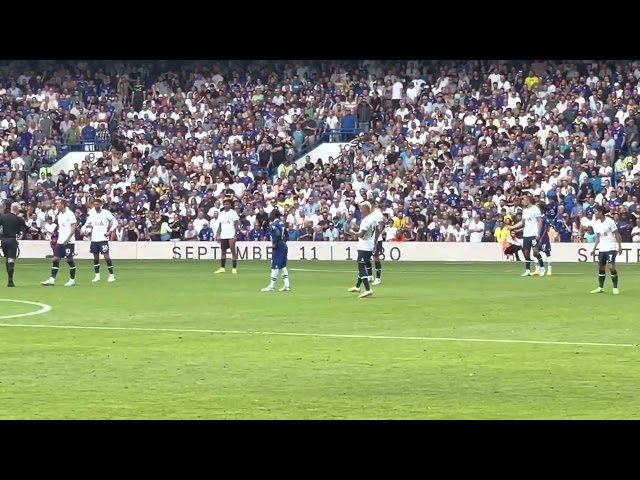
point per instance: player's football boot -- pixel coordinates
(597, 290)
(354, 289)
(527, 273)
(285, 289)
(11, 284)
(220, 270)
(616, 291)
(548, 271)
(70, 283)
(377, 281)
(112, 278)
(542, 272)
(96, 279)
(535, 274)
(233, 270)
(268, 289)
(49, 282)
(366, 293)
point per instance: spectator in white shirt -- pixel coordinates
(331, 234)
(17, 163)
(476, 229)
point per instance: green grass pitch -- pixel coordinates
(170, 340)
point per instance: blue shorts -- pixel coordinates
(364, 256)
(607, 257)
(528, 243)
(65, 251)
(97, 248)
(279, 258)
(545, 247)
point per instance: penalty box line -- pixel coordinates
(316, 335)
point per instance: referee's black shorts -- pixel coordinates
(9, 247)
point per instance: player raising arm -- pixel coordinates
(279, 237)
(226, 235)
(100, 224)
(608, 239)
(66, 246)
(532, 223)
(11, 225)
(366, 235)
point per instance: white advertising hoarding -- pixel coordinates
(328, 251)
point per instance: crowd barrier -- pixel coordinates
(339, 251)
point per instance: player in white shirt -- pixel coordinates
(378, 251)
(226, 235)
(99, 226)
(532, 228)
(366, 234)
(610, 243)
(66, 246)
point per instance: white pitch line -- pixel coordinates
(254, 269)
(317, 335)
(44, 308)
(435, 270)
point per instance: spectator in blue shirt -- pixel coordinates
(88, 138)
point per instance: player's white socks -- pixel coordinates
(285, 276)
(274, 276)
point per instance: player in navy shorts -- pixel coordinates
(66, 245)
(280, 252)
(543, 247)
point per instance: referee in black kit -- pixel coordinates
(11, 225)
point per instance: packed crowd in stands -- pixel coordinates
(446, 147)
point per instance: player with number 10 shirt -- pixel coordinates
(66, 246)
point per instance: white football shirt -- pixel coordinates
(100, 223)
(227, 221)
(606, 229)
(530, 216)
(66, 220)
(379, 218)
(369, 225)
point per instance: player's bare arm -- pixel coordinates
(112, 227)
(619, 241)
(517, 226)
(219, 232)
(595, 245)
(73, 232)
(359, 233)
(379, 230)
(539, 221)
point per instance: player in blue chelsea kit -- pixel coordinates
(544, 246)
(279, 238)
